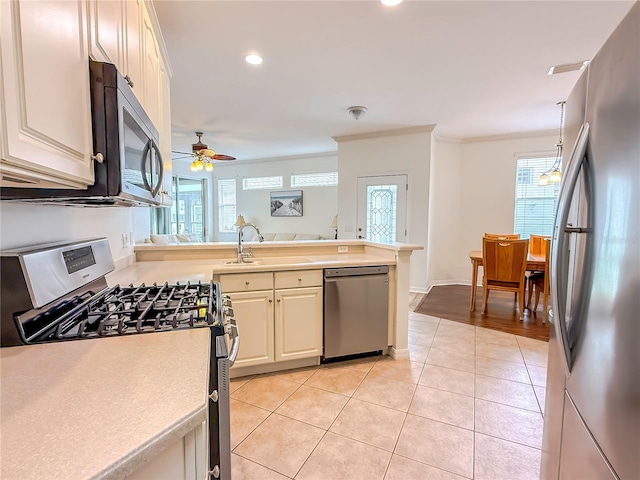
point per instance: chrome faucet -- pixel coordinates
(242, 255)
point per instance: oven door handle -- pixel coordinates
(234, 333)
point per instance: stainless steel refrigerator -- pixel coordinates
(592, 412)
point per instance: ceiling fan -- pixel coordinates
(202, 155)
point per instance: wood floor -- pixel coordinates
(452, 302)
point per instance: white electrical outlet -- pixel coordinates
(125, 239)
(343, 249)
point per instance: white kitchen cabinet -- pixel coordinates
(152, 92)
(298, 323)
(165, 134)
(185, 459)
(132, 41)
(289, 328)
(254, 313)
(107, 32)
(46, 136)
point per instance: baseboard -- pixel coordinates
(237, 371)
(399, 354)
(418, 290)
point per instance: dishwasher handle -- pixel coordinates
(355, 271)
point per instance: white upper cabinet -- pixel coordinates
(151, 70)
(132, 70)
(46, 132)
(46, 138)
(165, 134)
(107, 30)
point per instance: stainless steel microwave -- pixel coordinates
(131, 171)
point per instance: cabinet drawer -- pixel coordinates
(299, 278)
(245, 282)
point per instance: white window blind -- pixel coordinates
(226, 205)
(535, 205)
(314, 179)
(257, 183)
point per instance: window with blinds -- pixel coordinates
(226, 205)
(257, 183)
(314, 179)
(535, 205)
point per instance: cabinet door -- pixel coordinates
(151, 71)
(298, 323)
(46, 118)
(133, 45)
(165, 134)
(254, 313)
(106, 27)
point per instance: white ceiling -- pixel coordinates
(474, 68)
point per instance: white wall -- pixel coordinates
(24, 224)
(445, 203)
(320, 204)
(480, 177)
(389, 155)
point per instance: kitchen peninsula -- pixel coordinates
(276, 268)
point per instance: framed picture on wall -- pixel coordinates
(286, 203)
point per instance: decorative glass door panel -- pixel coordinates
(382, 205)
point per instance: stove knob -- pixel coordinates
(226, 302)
(228, 311)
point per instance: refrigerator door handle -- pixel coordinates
(559, 266)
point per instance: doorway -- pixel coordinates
(187, 213)
(382, 208)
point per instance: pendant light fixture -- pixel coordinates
(554, 175)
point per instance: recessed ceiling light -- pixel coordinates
(390, 3)
(568, 67)
(253, 59)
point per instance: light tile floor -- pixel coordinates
(468, 404)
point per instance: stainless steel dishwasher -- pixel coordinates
(356, 306)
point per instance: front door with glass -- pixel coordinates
(382, 208)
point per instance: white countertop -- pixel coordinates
(203, 270)
(99, 408)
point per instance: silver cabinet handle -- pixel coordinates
(270, 301)
(127, 79)
(278, 300)
(98, 157)
(299, 279)
(246, 282)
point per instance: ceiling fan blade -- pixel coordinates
(219, 156)
(184, 156)
(183, 153)
(206, 152)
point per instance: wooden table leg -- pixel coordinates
(474, 282)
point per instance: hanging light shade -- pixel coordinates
(208, 166)
(240, 221)
(554, 175)
(544, 180)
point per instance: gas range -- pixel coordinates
(58, 292)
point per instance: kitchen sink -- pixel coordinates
(270, 261)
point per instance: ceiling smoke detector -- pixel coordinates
(356, 112)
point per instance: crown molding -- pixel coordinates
(510, 136)
(385, 133)
(277, 159)
(440, 138)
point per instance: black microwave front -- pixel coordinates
(131, 170)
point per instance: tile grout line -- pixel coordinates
(263, 466)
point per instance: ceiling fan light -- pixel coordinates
(194, 167)
(199, 164)
(208, 166)
(555, 177)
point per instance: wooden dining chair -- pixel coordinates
(539, 281)
(537, 245)
(504, 263)
(502, 236)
